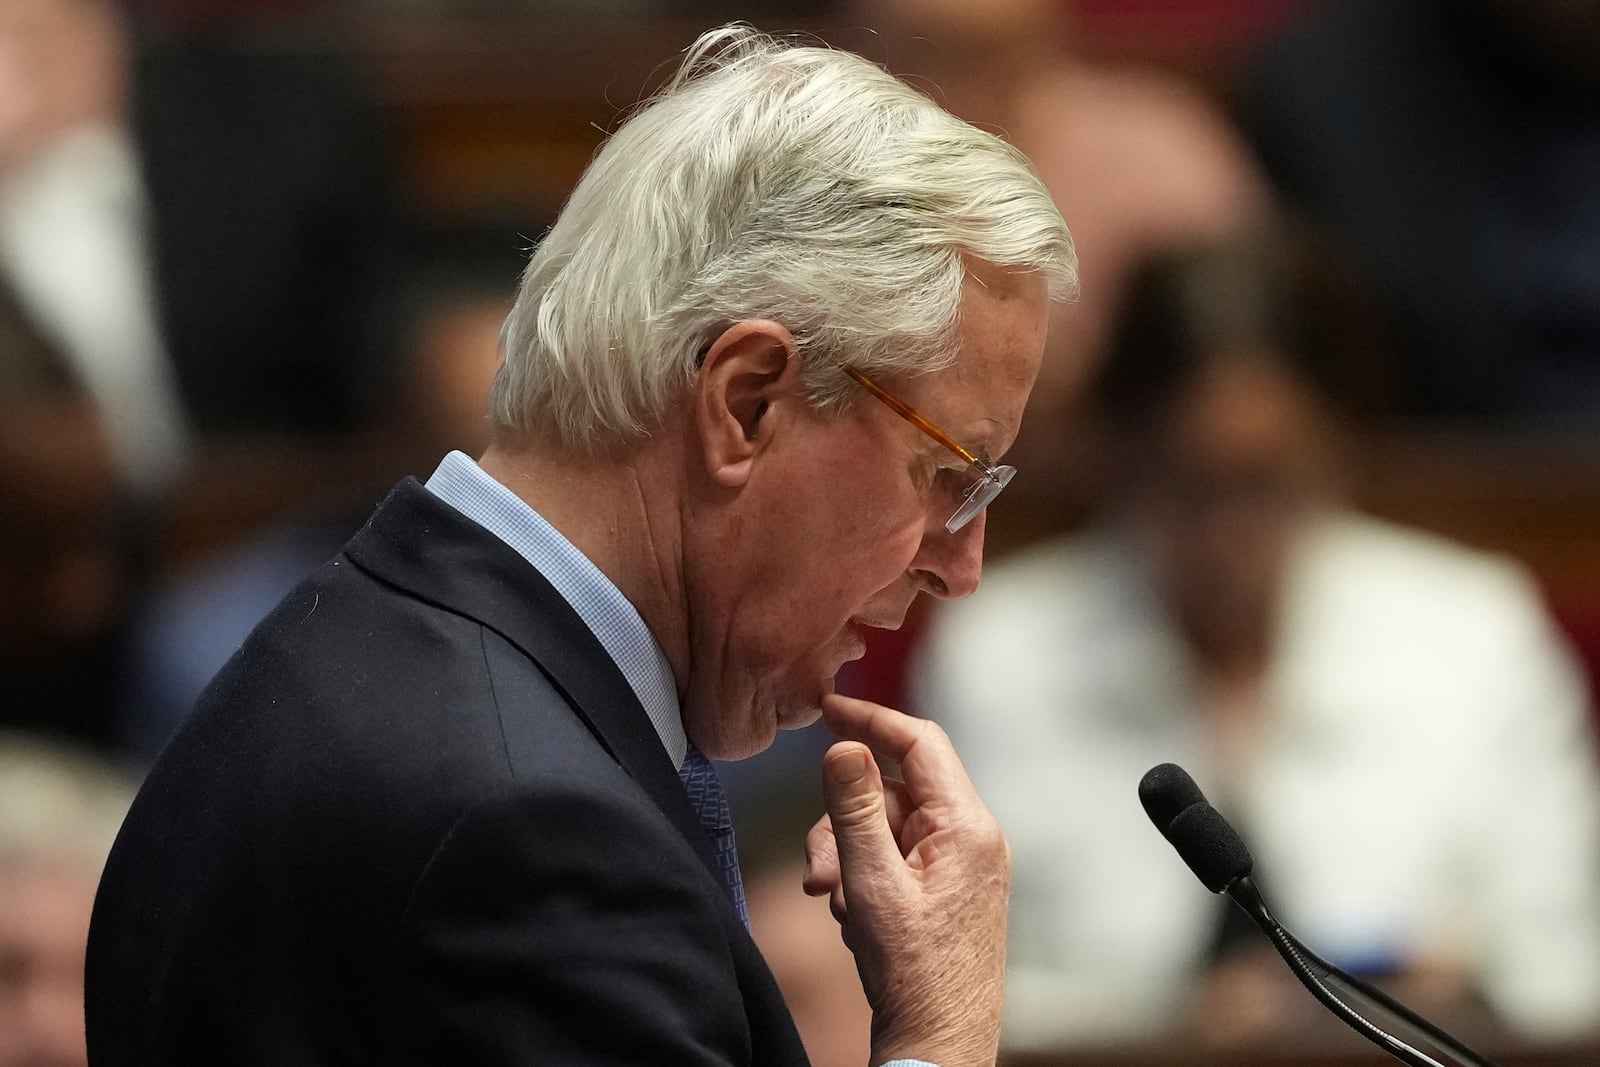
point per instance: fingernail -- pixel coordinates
(849, 767)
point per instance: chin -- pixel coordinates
(799, 717)
(804, 705)
(786, 703)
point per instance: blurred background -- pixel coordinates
(1311, 480)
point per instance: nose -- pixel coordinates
(948, 565)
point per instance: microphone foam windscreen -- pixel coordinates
(1213, 850)
(1165, 791)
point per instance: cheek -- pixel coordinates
(878, 559)
(897, 547)
(865, 535)
(831, 542)
(830, 579)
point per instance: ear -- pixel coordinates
(748, 369)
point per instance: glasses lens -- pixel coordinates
(980, 496)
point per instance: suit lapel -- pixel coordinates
(420, 544)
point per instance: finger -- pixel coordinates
(822, 877)
(927, 760)
(822, 850)
(898, 804)
(822, 859)
(852, 788)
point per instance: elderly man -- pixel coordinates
(451, 802)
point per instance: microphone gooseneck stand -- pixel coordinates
(1217, 855)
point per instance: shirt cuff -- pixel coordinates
(908, 1063)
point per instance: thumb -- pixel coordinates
(852, 790)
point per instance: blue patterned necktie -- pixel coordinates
(711, 805)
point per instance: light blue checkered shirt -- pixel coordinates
(463, 485)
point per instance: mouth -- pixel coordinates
(857, 633)
(863, 623)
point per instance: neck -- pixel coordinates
(619, 508)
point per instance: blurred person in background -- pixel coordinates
(74, 241)
(1454, 145)
(60, 807)
(201, 225)
(66, 571)
(196, 229)
(1391, 719)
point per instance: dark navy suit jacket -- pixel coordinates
(420, 818)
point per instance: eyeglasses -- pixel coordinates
(990, 479)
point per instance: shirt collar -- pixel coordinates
(616, 623)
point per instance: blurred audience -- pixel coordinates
(1455, 145)
(60, 808)
(1138, 161)
(1390, 718)
(197, 246)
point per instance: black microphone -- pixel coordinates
(1217, 855)
(1203, 838)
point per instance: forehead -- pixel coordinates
(979, 399)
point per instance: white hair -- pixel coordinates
(767, 180)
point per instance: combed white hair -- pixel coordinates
(767, 180)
